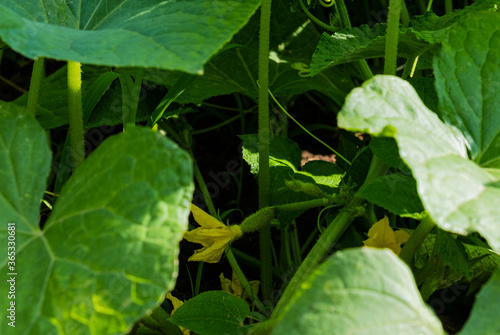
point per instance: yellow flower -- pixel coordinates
(213, 235)
(177, 303)
(235, 288)
(381, 235)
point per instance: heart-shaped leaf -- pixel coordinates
(24, 165)
(484, 314)
(467, 70)
(225, 315)
(459, 195)
(108, 253)
(359, 291)
(179, 35)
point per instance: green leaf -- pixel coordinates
(467, 69)
(235, 69)
(361, 43)
(179, 35)
(387, 150)
(358, 170)
(359, 291)
(426, 91)
(369, 42)
(459, 195)
(108, 252)
(453, 253)
(326, 174)
(284, 162)
(482, 261)
(225, 314)
(24, 165)
(396, 192)
(484, 315)
(433, 28)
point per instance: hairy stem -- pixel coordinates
(75, 113)
(302, 205)
(328, 239)
(36, 81)
(417, 238)
(264, 180)
(363, 68)
(391, 44)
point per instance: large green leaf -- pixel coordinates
(24, 165)
(433, 28)
(482, 262)
(224, 316)
(108, 253)
(459, 195)
(369, 42)
(293, 40)
(180, 35)
(484, 316)
(467, 70)
(396, 193)
(359, 291)
(360, 43)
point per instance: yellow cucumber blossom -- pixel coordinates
(212, 234)
(177, 303)
(381, 235)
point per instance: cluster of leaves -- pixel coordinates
(109, 252)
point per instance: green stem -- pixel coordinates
(286, 255)
(315, 19)
(263, 328)
(391, 44)
(252, 261)
(327, 240)
(362, 65)
(243, 279)
(405, 15)
(294, 237)
(302, 205)
(75, 113)
(264, 179)
(448, 6)
(36, 82)
(317, 254)
(131, 92)
(411, 64)
(429, 6)
(204, 189)
(197, 284)
(344, 16)
(421, 6)
(229, 253)
(417, 238)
